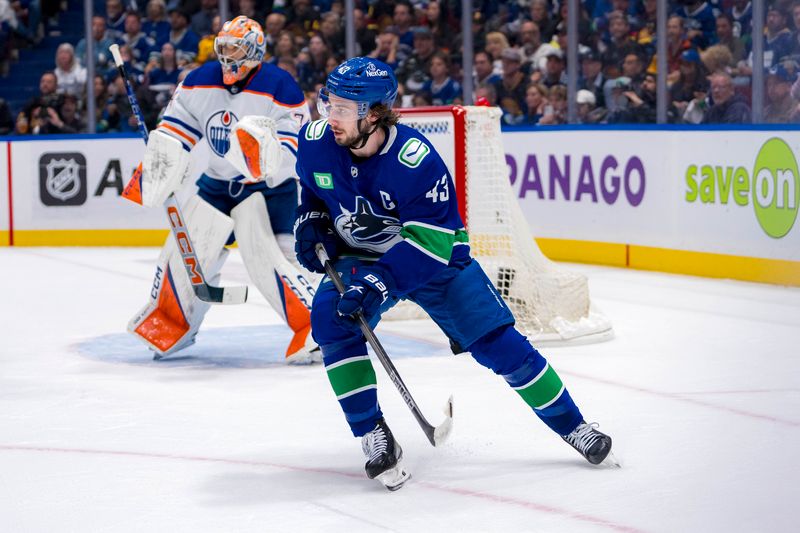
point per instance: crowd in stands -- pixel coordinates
(519, 57)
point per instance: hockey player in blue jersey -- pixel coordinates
(380, 199)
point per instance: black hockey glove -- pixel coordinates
(369, 289)
(310, 228)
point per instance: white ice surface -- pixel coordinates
(700, 390)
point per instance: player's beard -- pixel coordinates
(347, 139)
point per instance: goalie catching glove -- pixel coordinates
(255, 150)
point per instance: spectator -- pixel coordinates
(115, 20)
(485, 94)
(205, 48)
(633, 68)
(182, 38)
(273, 26)
(249, 8)
(285, 48)
(134, 71)
(701, 22)
(441, 87)
(726, 38)
(483, 70)
(554, 73)
(556, 111)
(365, 36)
(387, 48)
(729, 107)
(640, 107)
(692, 83)
(313, 71)
(102, 56)
(403, 20)
(777, 43)
(540, 14)
(116, 114)
(157, 27)
(67, 120)
(330, 30)
(677, 44)
(717, 58)
(436, 19)
(36, 114)
(140, 44)
(529, 42)
(415, 70)
(302, 18)
(201, 21)
(588, 111)
(742, 16)
(70, 75)
(511, 88)
(535, 102)
(496, 42)
(592, 78)
(781, 106)
(620, 44)
(162, 74)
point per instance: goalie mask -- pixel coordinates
(240, 47)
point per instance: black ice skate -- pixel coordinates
(383, 457)
(592, 444)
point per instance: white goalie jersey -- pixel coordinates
(203, 107)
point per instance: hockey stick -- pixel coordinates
(436, 435)
(204, 291)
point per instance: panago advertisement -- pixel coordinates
(728, 199)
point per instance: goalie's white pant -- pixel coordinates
(173, 314)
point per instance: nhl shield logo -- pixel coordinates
(62, 179)
(218, 130)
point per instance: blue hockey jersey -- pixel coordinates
(399, 205)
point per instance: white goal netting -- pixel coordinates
(550, 302)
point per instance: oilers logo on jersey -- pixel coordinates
(363, 228)
(218, 129)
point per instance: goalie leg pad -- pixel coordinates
(164, 167)
(170, 319)
(288, 289)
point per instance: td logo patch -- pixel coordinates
(324, 180)
(62, 179)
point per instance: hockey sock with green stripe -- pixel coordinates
(355, 386)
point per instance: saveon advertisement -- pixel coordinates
(725, 192)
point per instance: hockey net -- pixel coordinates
(551, 303)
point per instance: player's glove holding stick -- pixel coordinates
(369, 289)
(310, 228)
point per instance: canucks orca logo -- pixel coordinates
(363, 228)
(218, 128)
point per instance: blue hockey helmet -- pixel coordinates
(364, 80)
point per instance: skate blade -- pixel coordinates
(610, 461)
(394, 478)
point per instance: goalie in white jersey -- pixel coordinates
(249, 113)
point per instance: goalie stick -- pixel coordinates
(204, 291)
(436, 435)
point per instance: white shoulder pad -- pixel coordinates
(164, 166)
(255, 150)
